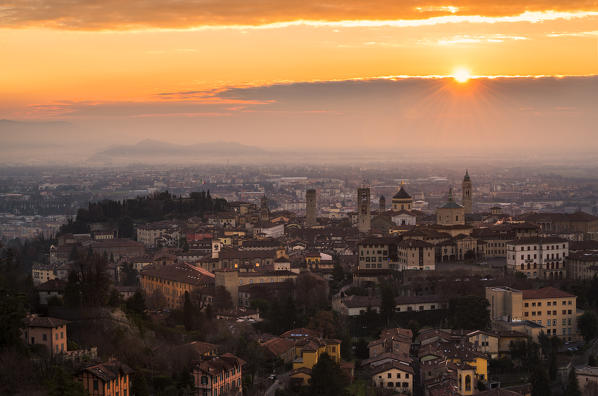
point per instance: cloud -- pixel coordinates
(501, 114)
(175, 14)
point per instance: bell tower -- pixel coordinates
(467, 190)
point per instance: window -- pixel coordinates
(398, 375)
(526, 305)
(95, 384)
(44, 337)
(389, 375)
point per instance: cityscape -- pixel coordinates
(316, 198)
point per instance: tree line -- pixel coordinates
(155, 207)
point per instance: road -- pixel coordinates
(280, 383)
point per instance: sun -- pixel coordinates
(461, 75)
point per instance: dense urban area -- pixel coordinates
(298, 280)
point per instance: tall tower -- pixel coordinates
(363, 209)
(467, 190)
(382, 204)
(311, 208)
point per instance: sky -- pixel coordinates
(328, 73)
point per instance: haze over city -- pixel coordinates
(298, 198)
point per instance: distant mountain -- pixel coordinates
(150, 150)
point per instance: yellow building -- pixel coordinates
(396, 376)
(173, 281)
(451, 213)
(308, 349)
(554, 310)
(402, 200)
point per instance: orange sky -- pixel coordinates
(130, 51)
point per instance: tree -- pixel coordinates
(136, 304)
(361, 349)
(222, 299)
(12, 314)
(387, 305)
(540, 382)
(327, 378)
(469, 312)
(323, 322)
(188, 313)
(572, 384)
(72, 291)
(588, 325)
(61, 383)
(552, 367)
(114, 298)
(139, 385)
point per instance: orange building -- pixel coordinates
(218, 375)
(106, 379)
(50, 332)
(174, 280)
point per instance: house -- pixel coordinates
(41, 273)
(282, 348)
(553, 310)
(106, 379)
(391, 341)
(218, 375)
(47, 331)
(53, 288)
(396, 376)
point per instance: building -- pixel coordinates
(377, 253)
(46, 331)
(173, 281)
(111, 378)
(451, 213)
(381, 204)
(363, 209)
(586, 375)
(41, 273)
(218, 375)
(554, 310)
(118, 248)
(582, 265)
(402, 200)
(311, 208)
(416, 254)
(538, 257)
(395, 341)
(396, 376)
(51, 289)
(159, 234)
(467, 191)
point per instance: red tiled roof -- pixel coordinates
(545, 292)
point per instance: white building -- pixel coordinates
(161, 233)
(403, 218)
(538, 257)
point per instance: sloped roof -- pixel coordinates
(44, 321)
(545, 292)
(401, 194)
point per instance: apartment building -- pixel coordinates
(218, 375)
(414, 254)
(111, 378)
(46, 331)
(173, 281)
(552, 309)
(538, 257)
(582, 265)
